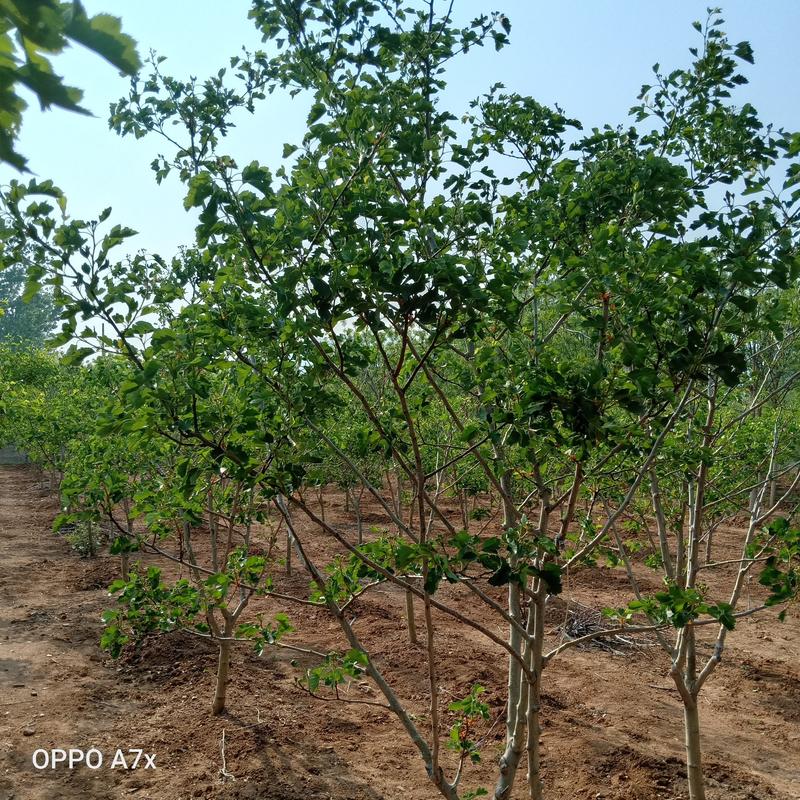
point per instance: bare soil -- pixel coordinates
(612, 721)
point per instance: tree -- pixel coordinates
(200, 509)
(46, 405)
(31, 30)
(22, 320)
(735, 456)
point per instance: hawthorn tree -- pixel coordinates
(47, 404)
(199, 510)
(103, 476)
(736, 455)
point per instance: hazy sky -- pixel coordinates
(589, 56)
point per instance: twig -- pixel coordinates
(338, 698)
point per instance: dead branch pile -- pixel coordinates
(584, 620)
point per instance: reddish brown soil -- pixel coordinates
(612, 723)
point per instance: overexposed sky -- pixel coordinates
(589, 56)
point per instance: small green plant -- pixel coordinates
(469, 709)
(84, 538)
(335, 670)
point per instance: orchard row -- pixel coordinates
(585, 343)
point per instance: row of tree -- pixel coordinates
(591, 337)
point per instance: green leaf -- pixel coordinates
(103, 35)
(76, 355)
(317, 111)
(32, 288)
(469, 433)
(258, 176)
(201, 187)
(724, 613)
(550, 573)
(502, 576)
(744, 51)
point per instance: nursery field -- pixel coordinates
(611, 716)
(449, 447)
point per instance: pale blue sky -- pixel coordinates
(590, 56)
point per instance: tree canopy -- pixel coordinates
(31, 31)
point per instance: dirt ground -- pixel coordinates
(612, 721)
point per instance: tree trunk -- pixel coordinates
(535, 785)
(320, 495)
(688, 687)
(661, 524)
(694, 766)
(280, 502)
(517, 703)
(412, 625)
(680, 539)
(223, 664)
(359, 521)
(91, 547)
(516, 717)
(125, 557)
(709, 543)
(212, 529)
(535, 663)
